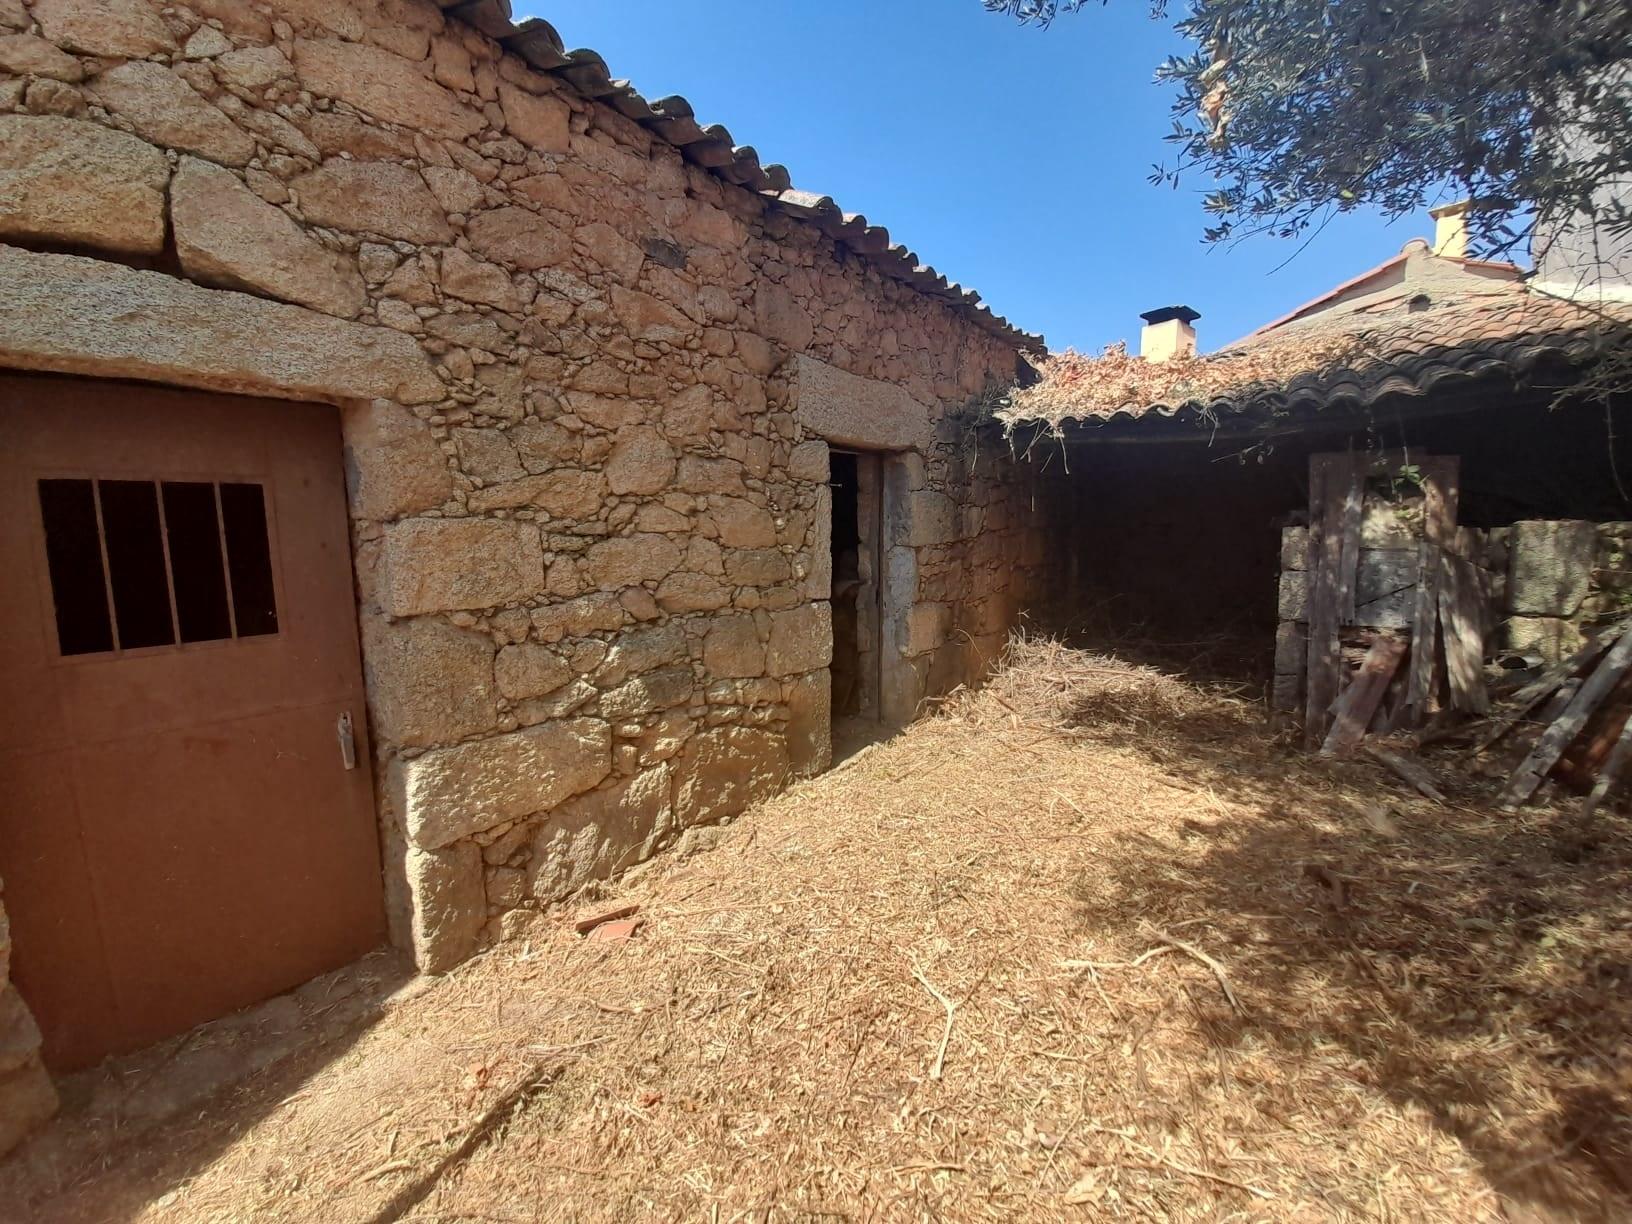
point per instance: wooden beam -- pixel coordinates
(1359, 702)
(1568, 725)
(1461, 621)
(1328, 485)
(1549, 682)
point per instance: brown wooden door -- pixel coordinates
(180, 834)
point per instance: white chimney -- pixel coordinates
(1451, 229)
(1167, 333)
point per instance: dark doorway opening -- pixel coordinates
(1171, 554)
(857, 526)
(848, 697)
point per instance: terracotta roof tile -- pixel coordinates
(673, 121)
(1400, 347)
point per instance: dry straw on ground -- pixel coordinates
(1087, 944)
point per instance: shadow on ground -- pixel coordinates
(144, 1123)
(1473, 964)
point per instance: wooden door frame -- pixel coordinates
(894, 681)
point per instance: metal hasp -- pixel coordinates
(348, 741)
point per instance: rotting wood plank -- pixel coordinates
(1316, 664)
(1558, 702)
(1587, 754)
(1424, 638)
(1568, 725)
(1441, 489)
(1329, 481)
(1549, 682)
(1360, 700)
(1460, 621)
(1611, 772)
(1388, 709)
(1351, 514)
(1412, 773)
(1465, 544)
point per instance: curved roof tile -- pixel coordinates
(1356, 362)
(672, 120)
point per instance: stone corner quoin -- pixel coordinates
(586, 394)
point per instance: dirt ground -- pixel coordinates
(1089, 944)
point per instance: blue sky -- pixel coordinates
(1014, 160)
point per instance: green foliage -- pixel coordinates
(1403, 489)
(1300, 108)
(1411, 474)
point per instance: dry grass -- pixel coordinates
(1085, 387)
(1081, 386)
(986, 971)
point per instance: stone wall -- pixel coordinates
(586, 388)
(984, 535)
(26, 1095)
(1564, 577)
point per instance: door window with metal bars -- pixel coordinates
(136, 564)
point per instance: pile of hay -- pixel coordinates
(1086, 943)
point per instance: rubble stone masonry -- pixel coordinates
(27, 1096)
(587, 391)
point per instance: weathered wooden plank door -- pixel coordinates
(1441, 484)
(1337, 493)
(1336, 489)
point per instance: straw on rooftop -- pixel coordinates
(1359, 357)
(1076, 386)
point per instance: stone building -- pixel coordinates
(1192, 491)
(420, 459)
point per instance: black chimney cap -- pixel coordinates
(1164, 313)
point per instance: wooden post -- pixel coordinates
(1441, 488)
(1333, 483)
(1568, 725)
(1461, 621)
